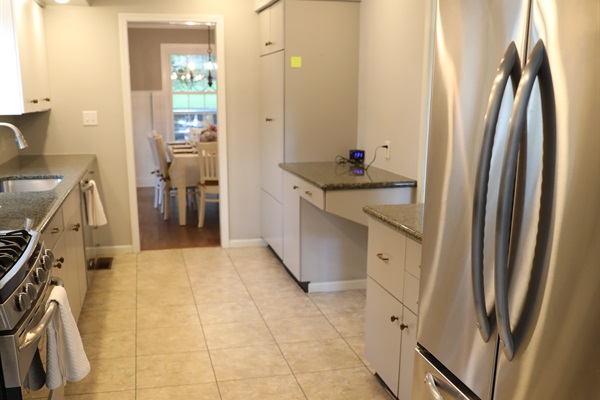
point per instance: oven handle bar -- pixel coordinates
(33, 335)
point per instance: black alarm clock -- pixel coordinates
(357, 156)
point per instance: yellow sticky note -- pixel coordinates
(296, 62)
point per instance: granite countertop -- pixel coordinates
(334, 176)
(39, 207)
(407, 218)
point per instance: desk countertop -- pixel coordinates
(334, 176)
(39, 207)
(407, 218)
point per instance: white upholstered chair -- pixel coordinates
(208, 162)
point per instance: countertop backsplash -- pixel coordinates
(8, 146)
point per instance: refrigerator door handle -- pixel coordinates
(537, 67)
(433, 390)
(510, 67)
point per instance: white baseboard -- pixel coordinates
(247, 243)
(113, 250)
(337, 286)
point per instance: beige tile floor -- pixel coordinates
(211, 323)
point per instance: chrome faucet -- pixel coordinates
(19, 138)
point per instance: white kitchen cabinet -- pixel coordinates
(271, 28)
(64, 236)
(271, 123)
(291, 223)
(24, 67)
(383, 315)
(392, 306)
(409, 343)
(271, 214)
(308, 86)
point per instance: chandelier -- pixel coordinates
(190, 72)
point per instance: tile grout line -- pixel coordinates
(212, 366)
(271, 332)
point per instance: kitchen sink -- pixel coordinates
(29, 184)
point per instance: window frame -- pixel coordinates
(166, 50)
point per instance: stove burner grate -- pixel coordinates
(12, 246)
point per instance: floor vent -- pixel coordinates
(103, 263)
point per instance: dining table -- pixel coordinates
(184, 172)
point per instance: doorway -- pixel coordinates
(147, 98)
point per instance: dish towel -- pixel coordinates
(36, 376)
(66, 358)
(94, 210)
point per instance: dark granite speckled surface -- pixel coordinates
(334, 176)
(407, 218)
(39, 206)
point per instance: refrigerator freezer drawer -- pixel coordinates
(430, 383)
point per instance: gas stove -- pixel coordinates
(24, 273)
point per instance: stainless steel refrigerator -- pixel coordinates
(510, 283)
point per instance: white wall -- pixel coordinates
(84, 64)
(83, 52)
(394, 83)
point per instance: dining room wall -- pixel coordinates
(85, 74)
(144, 51)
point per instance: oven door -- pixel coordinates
(18, 350)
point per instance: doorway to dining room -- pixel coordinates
(172, 110)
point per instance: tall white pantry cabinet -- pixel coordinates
(308, 93)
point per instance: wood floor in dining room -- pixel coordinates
(156, 233)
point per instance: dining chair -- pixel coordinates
(208, 162)
(163, 166)
(158, 181)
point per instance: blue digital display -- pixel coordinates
(357, 156)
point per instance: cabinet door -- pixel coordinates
(271, 214)
(271, 28)
(409, 343)
(264, 29)
(271, 124)
(25, 84)
(75, 259)
(66, 271)
(382, 333)
(277, 26)
(291, 223)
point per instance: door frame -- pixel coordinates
(218, 20)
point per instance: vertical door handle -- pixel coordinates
(537, 68)
(510, 67)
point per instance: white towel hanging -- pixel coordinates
(66, 358)
(94, 210)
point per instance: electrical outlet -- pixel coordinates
(387, 150)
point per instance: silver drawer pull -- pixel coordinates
(382, 257)
(429, 381)
(308, 193)
(55, 230)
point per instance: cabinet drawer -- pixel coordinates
(413, 257)
(53, 230)
(385, 257)
(312, 194)
(411, 292)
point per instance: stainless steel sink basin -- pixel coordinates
(29, 184)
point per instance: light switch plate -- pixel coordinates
(90, 118)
